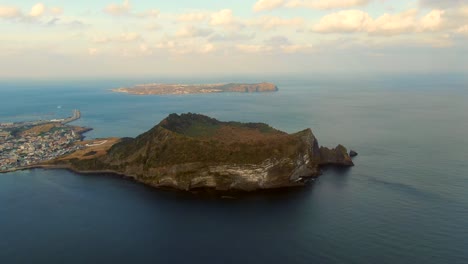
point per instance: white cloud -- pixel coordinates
(253, 48)
(433, 20)
(350, 21)
(464, 10)
(395, 24)
(150, 13)
(153, 27)
(277, 41)
(268, 47)
(37, 10)
(93, 51)
(125, 9)
(231, 37)
(56, 10)
(193, 17)
(118, 9)
(122, 38)
(326, 4)
(262, 5)
(192, 32)
(296, 48)
(462, 30)
(129, 37)
(9, 12)
(186, 47)
(271, 22)
(144, 49)
(207, 48)
(100, 39)
(221, 18)
(35, 14)
(344, 21)
(225, 19)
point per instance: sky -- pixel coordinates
(132, 38)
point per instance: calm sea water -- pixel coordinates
(405, 201)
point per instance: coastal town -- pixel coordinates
(26, 144)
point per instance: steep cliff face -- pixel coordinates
(193, 151)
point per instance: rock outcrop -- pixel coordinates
(192, 151)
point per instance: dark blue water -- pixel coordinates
(405, 201)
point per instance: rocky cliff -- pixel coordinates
(191, 151)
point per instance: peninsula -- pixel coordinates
(191, 152)
(161, 89)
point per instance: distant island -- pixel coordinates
(192, 152)
(161, 89)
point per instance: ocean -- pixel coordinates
(405, 201)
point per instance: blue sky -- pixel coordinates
(109, 38)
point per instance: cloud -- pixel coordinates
(344, 21)
(254, 48)
(352, 21)
(93, 51)
(153, 27)
(193, 17)
(37, 10)
(433, 20)
(67, 23)
(232, 36)
(442, 3)
(122, 38)
(271, 22)
(207, 48)
(326, 4)
(56, 10)
(9, 12)
(225, 19)
(221, 18)
(186, 47)
(462, 30)
(129, 37)
(193, 32)
(275, 44)
(125, 9)
(263, 5)
(150, 13)
(118, 9)
(387, 24)
(296, 48)
(278, 41)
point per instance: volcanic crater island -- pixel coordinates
(193, 152)
(179, 89)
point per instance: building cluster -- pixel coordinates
(30, 149)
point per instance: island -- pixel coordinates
(193, 152)
(178, 89)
